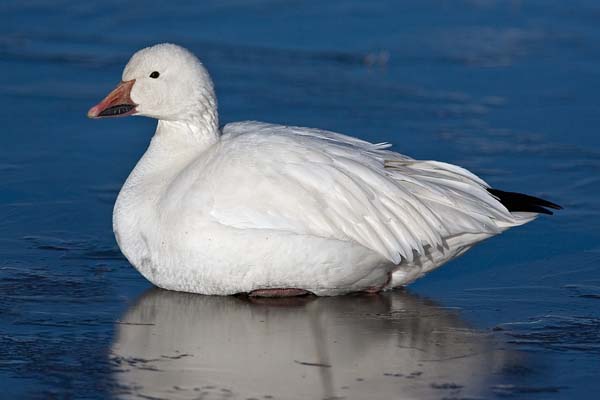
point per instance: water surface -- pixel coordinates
(507, 89)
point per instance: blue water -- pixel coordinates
(507, 89)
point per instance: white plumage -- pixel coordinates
(259, 206)
(313, 182)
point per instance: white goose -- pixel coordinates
(275, 210)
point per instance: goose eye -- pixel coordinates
(154, 75)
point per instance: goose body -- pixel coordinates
(254, 207)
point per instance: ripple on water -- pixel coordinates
(90, 249)
(557, 332)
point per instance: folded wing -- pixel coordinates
(314, 182)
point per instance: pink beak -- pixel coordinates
(118, 103)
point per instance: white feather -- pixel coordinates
(257, 205)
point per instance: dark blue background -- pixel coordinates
(508, 89)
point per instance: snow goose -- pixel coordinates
(274, 210)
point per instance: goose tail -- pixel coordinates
(523, 203)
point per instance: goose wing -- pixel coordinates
(315, 182)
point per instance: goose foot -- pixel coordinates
(279, 292)
(379, 288)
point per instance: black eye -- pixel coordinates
(154, 75)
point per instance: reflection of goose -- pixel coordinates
(278, 210)
(177, 345)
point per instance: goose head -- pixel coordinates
(165, 82)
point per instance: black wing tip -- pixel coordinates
(518, 202)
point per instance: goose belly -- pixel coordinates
(220, 260)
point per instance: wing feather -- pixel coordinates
(327, 184)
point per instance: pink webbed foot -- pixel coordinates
(279, 292)
(379, 288)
